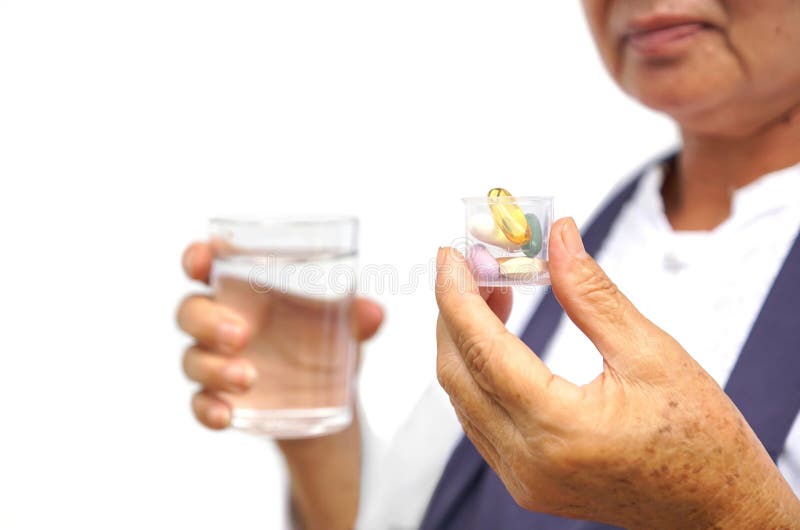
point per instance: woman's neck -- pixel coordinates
(698, 191)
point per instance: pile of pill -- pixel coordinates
(506, 229)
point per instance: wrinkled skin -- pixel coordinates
(653, 442)
(738, 75)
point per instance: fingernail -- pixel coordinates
(240, 376)
(219, 416)
(572, 238)
(441, 257)
(188, 257)
(230, 336)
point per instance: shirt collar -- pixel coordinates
(774, 191)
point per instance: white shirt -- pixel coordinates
(726, 273)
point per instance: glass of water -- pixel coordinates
(294, 281)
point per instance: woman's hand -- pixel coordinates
(325, 471)
(652, 442)
(220, 334)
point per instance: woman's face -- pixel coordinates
(724, 67)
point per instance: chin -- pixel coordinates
(696, 85)
(673, 99)
(695, 100)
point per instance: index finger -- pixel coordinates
(197, 261)
(500, 363)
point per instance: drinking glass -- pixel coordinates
(294, 281)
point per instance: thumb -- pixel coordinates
(369, 317)
(629, 343)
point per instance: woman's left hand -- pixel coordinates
(652, 442)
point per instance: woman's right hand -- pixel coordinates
(220, 334)
(324, 471)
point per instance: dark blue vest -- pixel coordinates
(765, 385)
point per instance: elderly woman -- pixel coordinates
(642, 435)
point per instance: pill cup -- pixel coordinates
(293, 280)
(507, 239)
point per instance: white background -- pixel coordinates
(124, 125)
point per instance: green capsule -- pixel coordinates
(534, 246)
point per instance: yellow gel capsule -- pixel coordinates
(509, 217)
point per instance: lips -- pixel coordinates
(660, 39)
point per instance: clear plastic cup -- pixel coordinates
(507, 239)
(294, 281)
